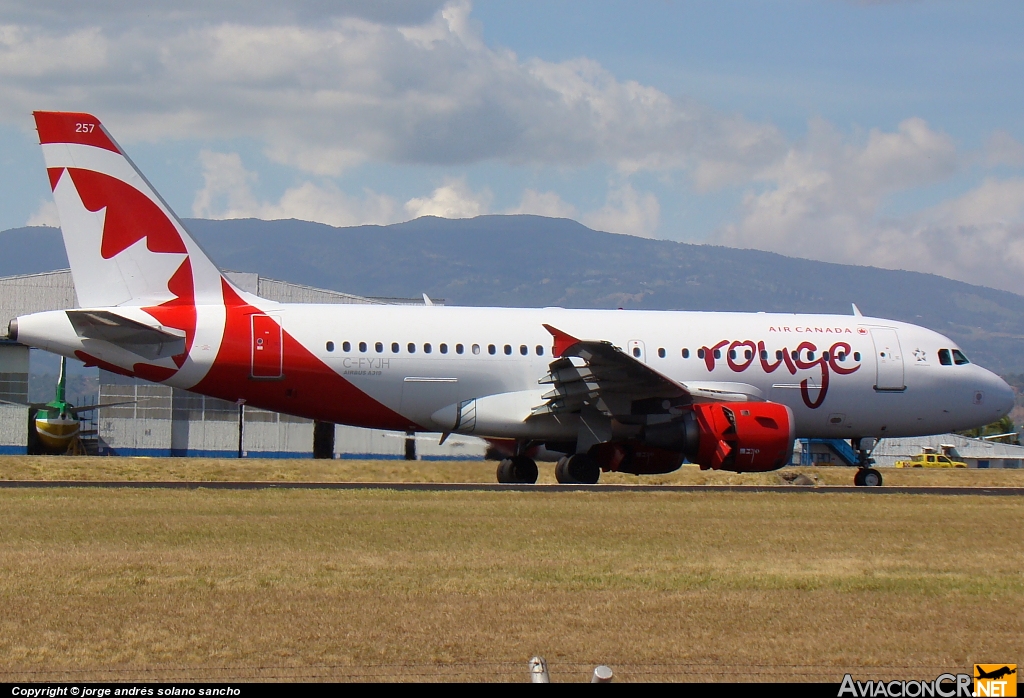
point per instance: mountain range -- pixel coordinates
(534, 261)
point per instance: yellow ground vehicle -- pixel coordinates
(930, 460)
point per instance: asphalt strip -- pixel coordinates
(495, 487)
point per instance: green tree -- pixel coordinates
(1003, 426)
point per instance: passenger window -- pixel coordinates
(491, 349)
(764, 355)
(362, 346)
(718, 354)
(958, 358)
(732, 353)
(748, 355)
(346, 347)
(636, 352)
(379, 347)
(700, 353)
(540, 350)
(394, 348)
(824, 356)
(443, 348)
(476, 348)
(330, 346)
(842, 356)
(686, 353)
(795, 355)
(778, 355)
(508, 350)
(661, 353)
(459, 348)
(412, 348)
(944, 358)
(810, 356)
(523, 350)
(856, 356)
(427, 348)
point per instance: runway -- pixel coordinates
(495, 487)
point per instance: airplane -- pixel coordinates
(603, 390)
(57, 423)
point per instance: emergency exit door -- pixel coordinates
(267, 347)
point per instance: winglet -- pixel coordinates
(856, 310)
(426, 300)
(562, 340)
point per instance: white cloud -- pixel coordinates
(454, 199)
(546, 203)
(824, 201)
(390, 85)
(46, 214)
(626, 211)
(227, 193)
(28, 52)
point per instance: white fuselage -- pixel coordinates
(880, 378)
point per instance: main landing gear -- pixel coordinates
(517, 470)
(866, 475)
(577, 469)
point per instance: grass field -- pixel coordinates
(227, 585)
(308, 470)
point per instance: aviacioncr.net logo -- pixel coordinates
(944, 686)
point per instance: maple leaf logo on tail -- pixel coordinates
(125, 246)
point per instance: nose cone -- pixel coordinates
(999, 396)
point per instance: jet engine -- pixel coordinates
(737, 436)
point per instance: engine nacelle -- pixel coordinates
(737, 436)
(635, 457)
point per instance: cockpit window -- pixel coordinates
(958, 358)
(944, 357)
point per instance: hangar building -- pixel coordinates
(166, 421)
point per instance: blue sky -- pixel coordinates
(884, 133)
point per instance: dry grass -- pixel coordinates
(308, 470)
(372, 584)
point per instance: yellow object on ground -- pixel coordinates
(930, 460)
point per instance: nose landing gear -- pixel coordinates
(866, 475)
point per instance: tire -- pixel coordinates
(505, 474)
(517, 470)
(872, 478)
(579, 469)
(561, 474)
(524, 470)
(858, 478)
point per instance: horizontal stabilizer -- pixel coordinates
(146, 341)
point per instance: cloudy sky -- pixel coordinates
(883, 133)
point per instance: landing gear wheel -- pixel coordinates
(867, 477)
(517, 470)
(579, 469)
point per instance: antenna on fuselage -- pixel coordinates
(856, 310)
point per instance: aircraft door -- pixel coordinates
(888, 359)
(635, 348)
(267, 347)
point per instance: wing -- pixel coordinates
(90, 408)
(599, 374)
(146, 341)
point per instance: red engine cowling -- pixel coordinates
(743, 436)
(737, 436)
